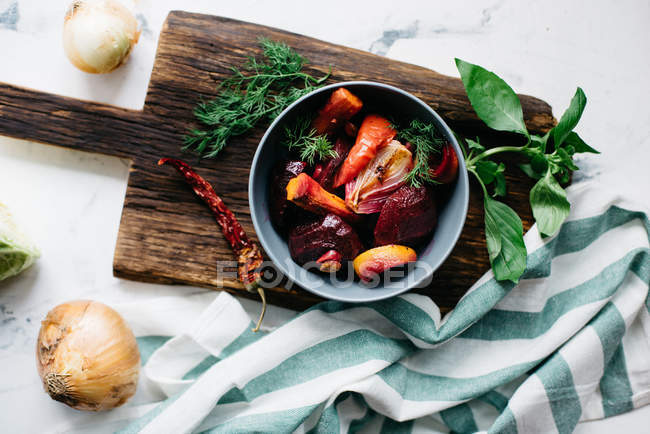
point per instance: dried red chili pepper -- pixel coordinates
(249, 255)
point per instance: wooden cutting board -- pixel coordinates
(166, 235)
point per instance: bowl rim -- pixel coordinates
(462, 171)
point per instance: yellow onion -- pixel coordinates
(87, 356)
(99, 35)
(383, 175)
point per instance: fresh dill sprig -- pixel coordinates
(427, 141)
(304, 139)
(261, 89)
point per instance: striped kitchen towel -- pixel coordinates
(570, 342)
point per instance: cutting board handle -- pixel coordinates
(87, 126)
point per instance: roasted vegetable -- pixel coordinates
(351, 129)
(379, 179)
(372, 262)
(328, 240)
(446, 170)
(283, 172)
(407, 217)
(340, 107)
(330, 261)
(305, 192)
(325, 172)
(375, 133)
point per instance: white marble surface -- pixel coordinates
(70, 202)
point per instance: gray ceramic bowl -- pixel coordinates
(451, 216)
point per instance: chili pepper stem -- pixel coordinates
(260, 291)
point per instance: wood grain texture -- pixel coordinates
(166, 235)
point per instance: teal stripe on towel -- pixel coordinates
(505, 423)
(495, 399)
(199, 369)
(459, 419)
(416, 386)
(528, 325)
(557, 379)
(390, 426)
(360, 423)
(148, 344)
(323, 358)
(272, 422)
(143, 421)
(328, 422)
(247, 337)
(615, 384)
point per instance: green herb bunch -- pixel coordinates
(304, 139)
(550, 161)
(426, 141)
(260, 90)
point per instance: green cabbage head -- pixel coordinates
(16, 251)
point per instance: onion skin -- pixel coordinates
(99, 35)
(384, 174)
(87, 357)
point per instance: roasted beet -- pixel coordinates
(283, 172)
(309, 242)
(407, 217)
(325, 176)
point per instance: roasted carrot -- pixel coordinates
(340, 107)
(305, 192)
(375, 132)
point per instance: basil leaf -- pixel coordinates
(573, 139)
(500, 181)
(569, 148)
(493, 100)
(492, 233)
(570, 118)
(564, 176)
(539, 142)
(539, 163)
(491, 172)
(566, 159)
(486, 170)
(475, 145)
(550, 205)
(528, 170)
(504, 234)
